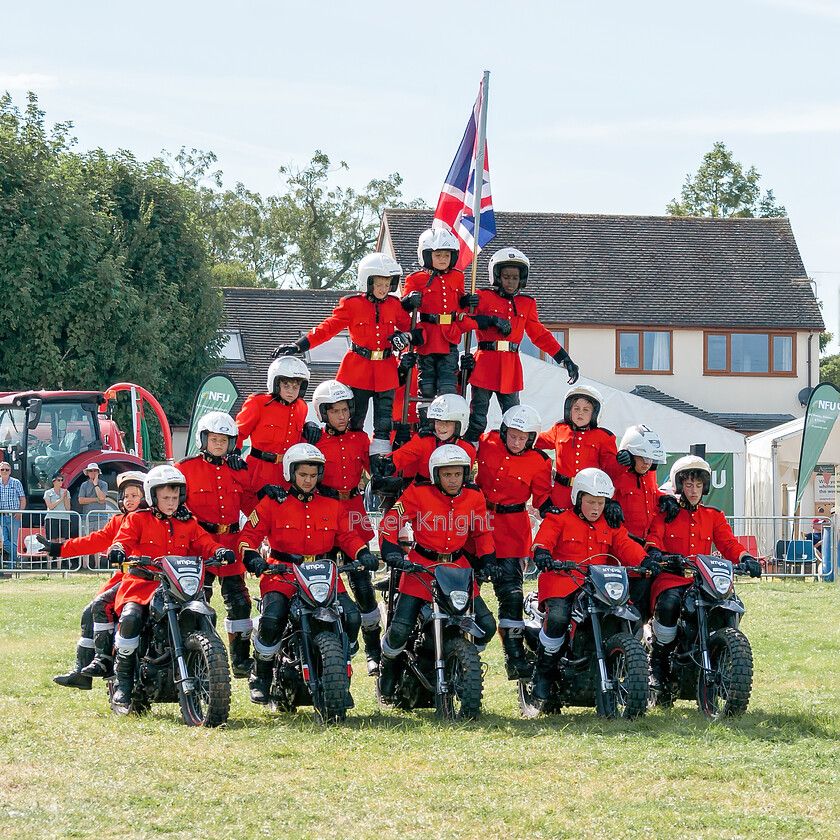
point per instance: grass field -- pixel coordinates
(69, 768)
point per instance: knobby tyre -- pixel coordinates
(331, 670)
(207, 665)
(725, 692)
(462, 670)
(627, 667)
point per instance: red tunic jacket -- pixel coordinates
(149, 533)
(441, 296)
(347, 457)
(370, 324)
(575, 451)
(507, 479)
(570, 537)
(501, 370)
(638, 496)
(440, 523)
(309, 525)
(692, 532)
(216, 494)
(412, 458)
(96, 543)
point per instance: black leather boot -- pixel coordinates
(103, 661)
(516, 662)
(387, 680)
(373, 648)
(259, 683)
(543, 673)
(75, 678)
(660, 673)
(241, 662)
(124, 671)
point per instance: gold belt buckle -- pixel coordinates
(308, 558)
(503, 345)
(278, 459)
(444, 319)
(377, 355)
(222, 529)
(344, 496)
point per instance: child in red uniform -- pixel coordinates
(578, 442)
(378, 325)
(94, 650)
(216, 493)
(300, 523)
(274, 422)
(448, 498)
(165, 528)
(581, 535)
(684, 526)
(510, 472)
(503, 316)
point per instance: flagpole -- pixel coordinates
(478, 186)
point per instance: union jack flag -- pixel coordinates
(454, 210)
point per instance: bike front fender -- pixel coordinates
(466, 624)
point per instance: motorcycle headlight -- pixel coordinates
(459, 598)
(615, 590)
(190, 585)
(320, 591)
(723, 583)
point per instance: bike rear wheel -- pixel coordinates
(462, 671)
(330, 670)
(725, 691)
(208, 704)
(627, 668)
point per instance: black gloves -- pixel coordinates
(564, 359)
(312, 432)
(183, 514)
(381, 466)
(411, 301)
(673, 563)
(223, 557)
(468, 362)
(486, 322)
(392, 486)
(300, 346)
(651, 565)
(398, 561)
(274, 492)
(669, 507)
(368, 560)
(542, 559)
(548, 507)
(613, 514)
(53, 549)
(400, 340)
(469, 300)
(402, 434)
(407, 362)
(751, 565)
(235, 461)
(624, 457)
(116, 557)
(254, 562)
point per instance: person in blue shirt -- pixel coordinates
(12, 498)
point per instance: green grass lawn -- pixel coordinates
(69, 768)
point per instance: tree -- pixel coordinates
(104, 273)
(722, 188)
(830, 369)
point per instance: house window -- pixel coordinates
(768, 354)
(232, 350)
(528, 347)
(330, 352)
(643, 351)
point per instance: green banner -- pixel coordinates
(822, 411)
(722, 494)
(217, 393)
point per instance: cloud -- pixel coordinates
(14, 82)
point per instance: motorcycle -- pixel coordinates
(181, 658)
(312, 666)
(712, 662)
(611, 675)
(440, 666)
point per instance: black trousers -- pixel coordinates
(437, 373)
(383, 407)
(479, 405)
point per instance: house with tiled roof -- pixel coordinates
(714, 317)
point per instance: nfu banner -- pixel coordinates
(217, 393)
(722, 493)
(822, 411)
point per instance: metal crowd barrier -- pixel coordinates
(21, 552)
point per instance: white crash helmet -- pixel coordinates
(589, 393)
(377, 265)
(328, 393)
(129, 477)
(287, 367)
(644, 442)
(688, 464)
(448, 455)
(523, 418)
(508, 257)
(220, 424)
(593, 481)
(437, 239)
(163, 476)
(450, 407)
(302, 453)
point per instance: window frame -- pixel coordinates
(771, 335)
(619, 370)
(552, 328)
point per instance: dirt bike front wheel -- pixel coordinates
(627, 668)
(725, 690)
(462, 672)
(330, 669)
(208, 704)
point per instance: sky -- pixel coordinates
(601, 107)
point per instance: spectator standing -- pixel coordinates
(93, 494)
(12, 498)
(57, 500)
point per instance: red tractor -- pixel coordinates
(47, 432)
